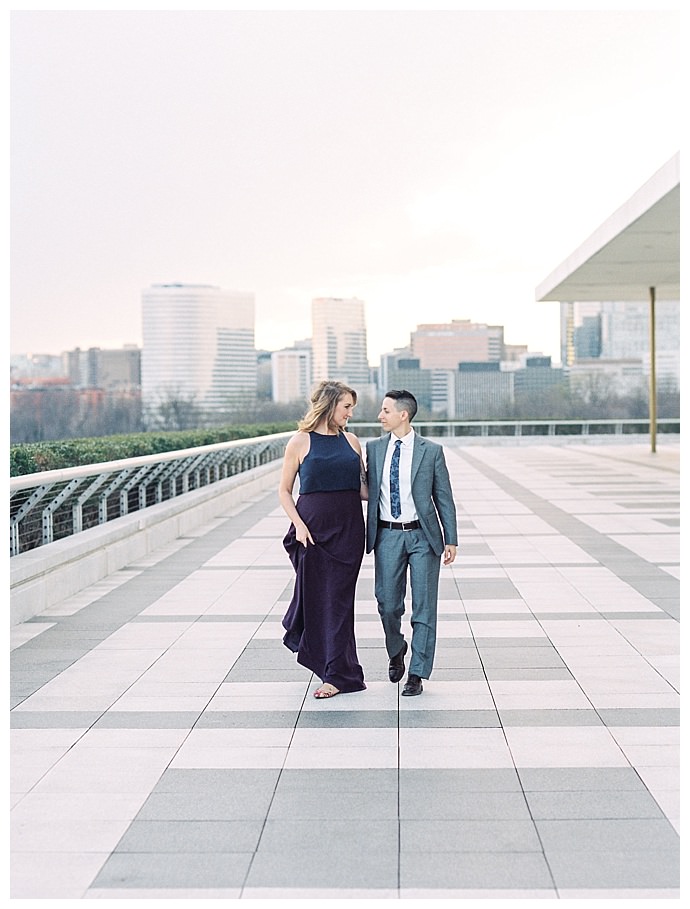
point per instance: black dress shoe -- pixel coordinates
(396, 666)
(413, 686)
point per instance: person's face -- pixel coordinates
(390, 417)
(343, 410)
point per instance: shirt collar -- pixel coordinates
(407, 440)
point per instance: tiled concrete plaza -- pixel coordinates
(165, 744)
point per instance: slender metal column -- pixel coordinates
(652, 368)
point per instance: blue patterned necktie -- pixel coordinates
(395, 480)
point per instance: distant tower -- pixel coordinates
(444, 345)
(291, 373)
(339, 339)
(198, 343)
(619, 330)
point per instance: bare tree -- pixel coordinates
(173, 411)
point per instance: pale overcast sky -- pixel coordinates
(438, 165)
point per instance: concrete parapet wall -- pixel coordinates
(45, 576)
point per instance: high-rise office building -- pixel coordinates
(198, 344)
(27, 368)
(537, 378)
(339, 339)
(107, 369)
(484, 391)
(434, 388)
(444, 393)
(625, 328)
(399, 369)
(264, 379)
(617, 330)
(388, 369)
(291, 373)
(445, 345)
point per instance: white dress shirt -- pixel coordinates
(407, 509)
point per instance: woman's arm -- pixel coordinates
(363, 486)
(295, 452)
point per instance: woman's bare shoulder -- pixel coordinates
(354, 441)
(299, 443)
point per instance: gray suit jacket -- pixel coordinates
(431, 492)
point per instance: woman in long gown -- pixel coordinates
(325, 541)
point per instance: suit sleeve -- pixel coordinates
(367, 459)
(372, 504)
(443, 500)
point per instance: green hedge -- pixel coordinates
(37, 456)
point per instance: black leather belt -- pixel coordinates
(405, 525)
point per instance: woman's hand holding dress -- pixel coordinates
(302, 533)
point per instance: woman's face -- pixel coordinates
(343, 410)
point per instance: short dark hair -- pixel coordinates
(404, 400)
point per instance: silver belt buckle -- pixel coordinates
(403, 525)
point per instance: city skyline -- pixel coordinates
(438, 163)
(294, 343)
(667, 325)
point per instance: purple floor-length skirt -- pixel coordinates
(320, 621)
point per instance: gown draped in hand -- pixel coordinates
(320, 621)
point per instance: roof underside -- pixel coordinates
(637, 248)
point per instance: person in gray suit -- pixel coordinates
(411, 523)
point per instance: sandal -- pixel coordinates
(326, 691)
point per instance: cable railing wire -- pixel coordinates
(52, 505)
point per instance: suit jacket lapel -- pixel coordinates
(417, 455)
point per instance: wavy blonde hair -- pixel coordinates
(322, 403)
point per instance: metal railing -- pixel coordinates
(518, 428)
(55, 504)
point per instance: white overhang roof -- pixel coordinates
(637, 248)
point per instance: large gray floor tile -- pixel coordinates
(421, 782)
(463, 805)
(191, 836)
(290, 834)
(620, 869)
(205, 806)
(563, 779)
(325, 866)
(495, 656)
(327, 804)
(453, 836)
(174, 870)
(448, 719)
(548, 717)
(339, 779)
(623, 835)
(247, 719)
(474, 871)
(600, 804)
(351, 719)
(218, 781)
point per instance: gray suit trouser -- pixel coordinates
(396, 551)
